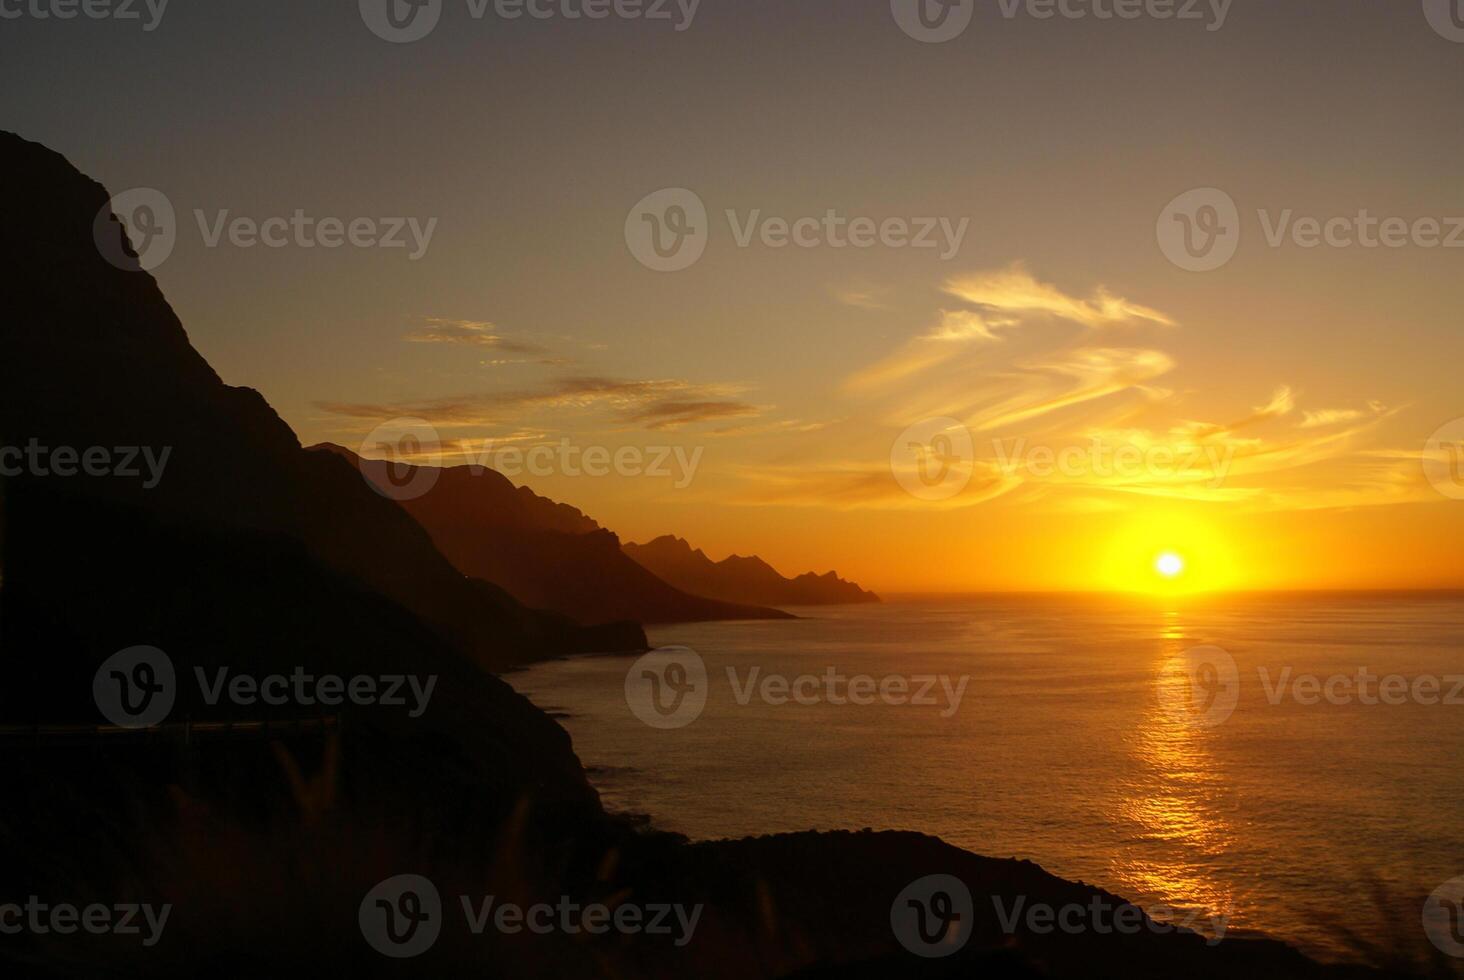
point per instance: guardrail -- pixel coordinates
(178, 731)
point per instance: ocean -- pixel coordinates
(1291, 762)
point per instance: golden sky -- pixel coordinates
(1268, 420)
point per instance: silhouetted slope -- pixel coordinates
(545, 554)
(250, 552)
(94, 356)
(255, 555)
(739, 579)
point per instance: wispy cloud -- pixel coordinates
(967, 325)
(862, 297)
(852, 485)
(477, 333)
(657, 404)
(1014, 290)
(1001, 304)
(1070, 379)
(1336, 416)
(1093, 468)
(1283, 402)
(795, 426)
(1068, 388)
(674, 414)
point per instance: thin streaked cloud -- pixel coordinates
(477, 333)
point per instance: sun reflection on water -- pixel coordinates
(1171, 801)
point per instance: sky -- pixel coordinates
(1047, 398)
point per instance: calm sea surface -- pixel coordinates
(1086, 740)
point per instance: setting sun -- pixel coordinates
(1169, 564)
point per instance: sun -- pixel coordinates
(1169, 565)
(1168, 554)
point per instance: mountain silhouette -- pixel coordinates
(110, 365)
(545, 554)
(739, 579)
(249, 553)
(253, 554)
